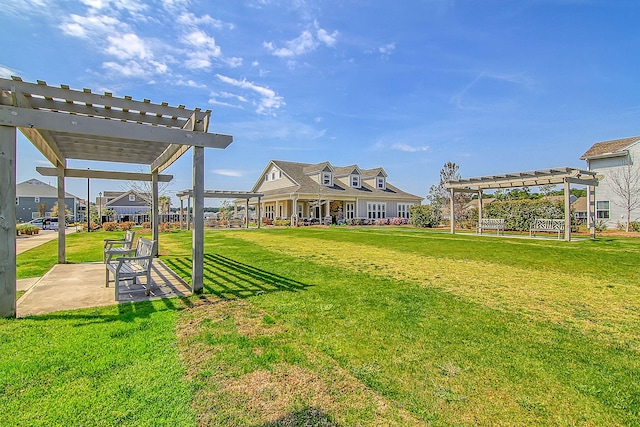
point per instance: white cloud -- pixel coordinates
(128, 46)
(92, 26)
(268, 100)
(306, 42)
(6, 73)
(192, 20)
(410, 148)
(228, 172)
(191, 83)
(387, 49)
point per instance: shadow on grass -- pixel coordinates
(227, 278)
(303, 417)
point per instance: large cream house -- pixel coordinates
(323, 192)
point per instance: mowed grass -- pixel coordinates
(375, 326)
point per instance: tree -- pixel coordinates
(624, 181)
(54, 210)
(164, 204)
(439, 196)
(42, 209)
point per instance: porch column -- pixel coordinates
(197, 248)
(181, 214)
(452, 217)
(591, 210)
(480, 215)
(567, 211)
(154, 209)
(7, 221)
(62, 216)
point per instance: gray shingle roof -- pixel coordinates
(299, 173)
(609, 147)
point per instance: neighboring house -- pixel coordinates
(318, 191)
(613, 160)
(32, 195)
(127, 205)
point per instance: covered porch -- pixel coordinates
(66, 124)
(558, 176)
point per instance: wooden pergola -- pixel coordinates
(217, 194)
(565, 176)
(69, 124)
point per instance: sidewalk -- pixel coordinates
(24, 243)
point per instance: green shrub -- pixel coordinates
(425, 216)
(110, 226)
(634, 226)
(281, 222)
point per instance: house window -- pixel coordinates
(327, 179)
(132, 197)
(403, 210)
(36, 200)
(279, 174)
(300, 211)
(17, 201)
(281, 212)
(355, 181)
(269, 211)
(351, 210)
(380, 184)
(602, 209)
(266, 178)
(273, 176)
(376, 210)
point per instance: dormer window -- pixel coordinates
(327, 179)
(355, 181)
(380, 183)
(132, 197)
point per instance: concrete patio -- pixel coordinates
(74, 286)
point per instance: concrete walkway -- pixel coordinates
(73, 286)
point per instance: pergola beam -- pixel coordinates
(99, 174)
(95, 126)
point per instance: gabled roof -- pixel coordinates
(124, 196)
(610, 148)
(346, 170)
(304, 184)
(372, 173)
(319, 167)
(36, 188)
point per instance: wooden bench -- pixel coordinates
(491, 224)
(547, 225)
(118, 247)
(131, 267)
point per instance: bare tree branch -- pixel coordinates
(625, 183)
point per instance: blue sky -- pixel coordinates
(495, 86)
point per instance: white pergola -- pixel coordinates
(565, 176)
(217, 194)
(69, 124)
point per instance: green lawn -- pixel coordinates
(369, 326)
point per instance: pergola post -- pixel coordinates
(155, 217)
(246, 213)
(258, 219)
(7, 221)
(188, 212)
(480, 215)
(452, 216)
(567, 211)
(591, 210)
(62, 217)
(181, 214)
(198, 221)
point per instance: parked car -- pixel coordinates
(45, 223)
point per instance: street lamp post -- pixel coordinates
(100, 207)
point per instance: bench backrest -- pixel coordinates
(492, 222)
(128, 239)
(549, 224)
(145, 248)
